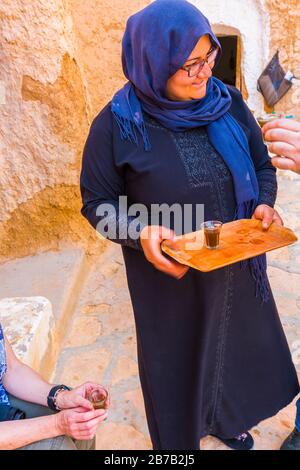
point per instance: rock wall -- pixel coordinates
(98, 26)
(43, 123)
(59, 65)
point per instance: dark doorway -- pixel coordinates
(228, 69)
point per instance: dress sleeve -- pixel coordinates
(265, 172)
(101, 185)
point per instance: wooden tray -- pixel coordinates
(239, 240)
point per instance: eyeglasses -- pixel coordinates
(196, 68)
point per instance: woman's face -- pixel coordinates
(181, 87)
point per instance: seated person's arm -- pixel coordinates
(76, 422)
(23, 382)
(26, 384)
(19, 433)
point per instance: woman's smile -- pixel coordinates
(200, 84)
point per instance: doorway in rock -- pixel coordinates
(229, 68)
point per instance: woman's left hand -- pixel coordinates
(267, 215)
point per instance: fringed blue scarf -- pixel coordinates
(157, 42)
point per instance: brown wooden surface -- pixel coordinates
(239, 240)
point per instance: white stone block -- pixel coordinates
(27, 322)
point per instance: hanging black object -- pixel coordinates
(274, 82)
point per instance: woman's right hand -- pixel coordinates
(151, 238)
(79, 423)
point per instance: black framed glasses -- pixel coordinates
(195, 68)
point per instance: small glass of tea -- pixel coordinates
(98, 397)
(265, 118)
(212, 230)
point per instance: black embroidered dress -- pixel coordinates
(212, 358)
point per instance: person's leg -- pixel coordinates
(297, 423)
(61, 443)
(33, 410)
(86, 445)
(57, 443)
(292, 442)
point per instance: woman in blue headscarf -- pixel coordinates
(213, 358)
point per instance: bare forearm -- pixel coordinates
(19, 433)
(24, 383)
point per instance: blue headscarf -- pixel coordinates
(157, 42)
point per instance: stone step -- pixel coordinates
(57, 276)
